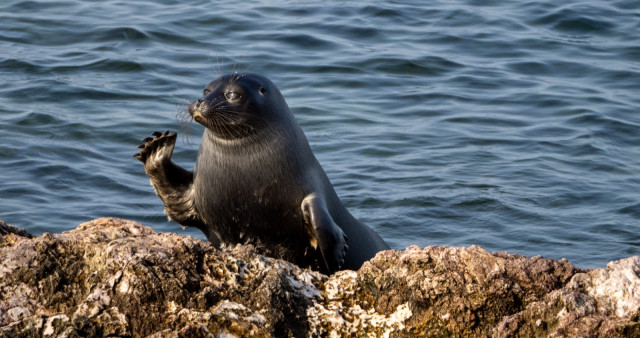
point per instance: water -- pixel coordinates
(513, 125)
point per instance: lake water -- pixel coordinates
(514, 125)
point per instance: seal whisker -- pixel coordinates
(223, 120)
(219, 65)
(185, 122)
(239, 113)
(234, 121)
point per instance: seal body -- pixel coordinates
(256, 181)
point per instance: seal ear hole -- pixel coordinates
(262, 90)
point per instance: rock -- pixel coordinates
(436, 291)
(6, 229)
(117, 277)
(600, 302)
(120, 278)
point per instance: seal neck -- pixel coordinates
(258, 140)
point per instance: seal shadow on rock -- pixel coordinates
(256, 181)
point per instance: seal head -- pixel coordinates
(236, 106)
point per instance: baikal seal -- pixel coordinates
(256, 181)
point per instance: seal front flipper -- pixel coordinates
(173, 184)
(324, 232)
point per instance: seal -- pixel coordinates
(256, 181)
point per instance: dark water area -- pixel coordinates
(514, 125)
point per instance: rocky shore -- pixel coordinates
(120, 278)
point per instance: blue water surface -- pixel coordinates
(514, 125)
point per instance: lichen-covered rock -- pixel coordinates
(436, 291)
(6, 229)
(117, 277)
(120, 278)
(601, 302)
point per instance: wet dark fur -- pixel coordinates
(253, 171)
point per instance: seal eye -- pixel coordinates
(263, 90)
(232, 96)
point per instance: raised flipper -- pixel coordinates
(324, 232)
(173, 184)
